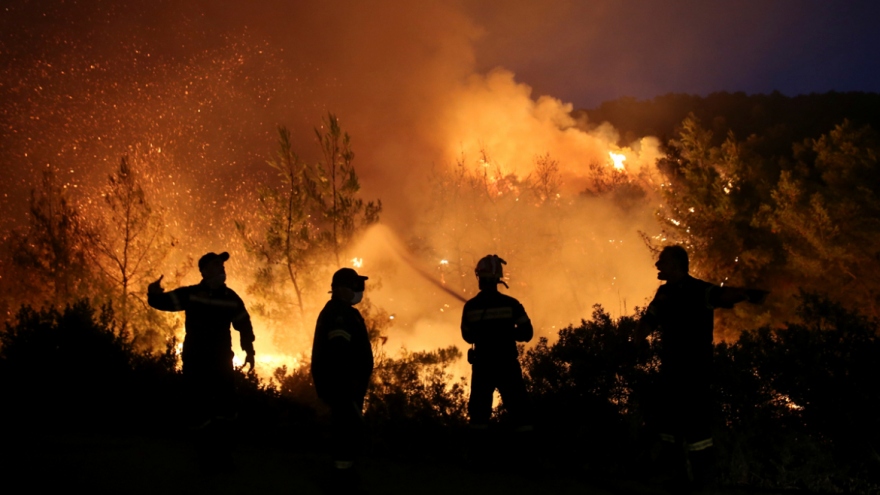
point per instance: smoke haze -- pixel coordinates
(195, 94)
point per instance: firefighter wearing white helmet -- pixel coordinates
(493, 323)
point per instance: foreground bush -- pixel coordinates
(69, 367)
(73, 369)
(795, 405)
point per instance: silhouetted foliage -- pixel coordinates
(306, 221)
(287, 246)
(806, 222)
(75, 370)
(417, 388)
(589, 385)
(72, 368)
(336, 188)
(49, 254)
(127, 245)
(799, 401)
(775, 119)
(795, 405)
(826, 216)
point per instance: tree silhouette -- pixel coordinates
(305, 222)
(129, 242)
(827, 215)
(289, 241)
(337, 188)
(50, 252)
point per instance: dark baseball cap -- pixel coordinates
(208, 258)
(347, 277)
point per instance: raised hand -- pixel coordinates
(156, 287)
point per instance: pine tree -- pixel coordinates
(129, 242)
(712, 196)
(50, 252)
(826, 213)
(287, 248)
(337, 189)
(305, 223)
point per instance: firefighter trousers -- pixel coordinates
(505, 375)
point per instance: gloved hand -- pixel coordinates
(249, 360)
(156, 287)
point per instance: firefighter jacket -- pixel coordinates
(494, 323)
(209, 313)
(342, 357)
(684, 313)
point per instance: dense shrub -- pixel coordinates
(416, 388)
(799, 403)
(71, 367)
(795, 405)
(588, 387)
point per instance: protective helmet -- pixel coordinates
(490, 267)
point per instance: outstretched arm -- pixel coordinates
(727, 297)
(175, 300)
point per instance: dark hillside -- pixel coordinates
(780, 120)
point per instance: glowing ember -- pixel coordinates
(444, 262)
(357, 262)
(618, 160)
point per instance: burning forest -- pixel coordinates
(136, 138)
(487, 169)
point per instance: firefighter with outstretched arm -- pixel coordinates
(682, 314)
(210, 308)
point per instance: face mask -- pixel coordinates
(357, 297)
(216, 280)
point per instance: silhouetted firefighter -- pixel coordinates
(683, 313)
(493, 323)
(210, 308)
(342, 362)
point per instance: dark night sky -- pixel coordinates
(589, 52)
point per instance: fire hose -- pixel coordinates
(404, 255)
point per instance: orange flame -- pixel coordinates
(618, 160)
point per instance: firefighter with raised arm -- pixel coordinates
(210, 308)
(342, 362)
(493, 323)
(682, 314)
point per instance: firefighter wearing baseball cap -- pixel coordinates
(210, 307)
(493, 323)
(342, 362)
